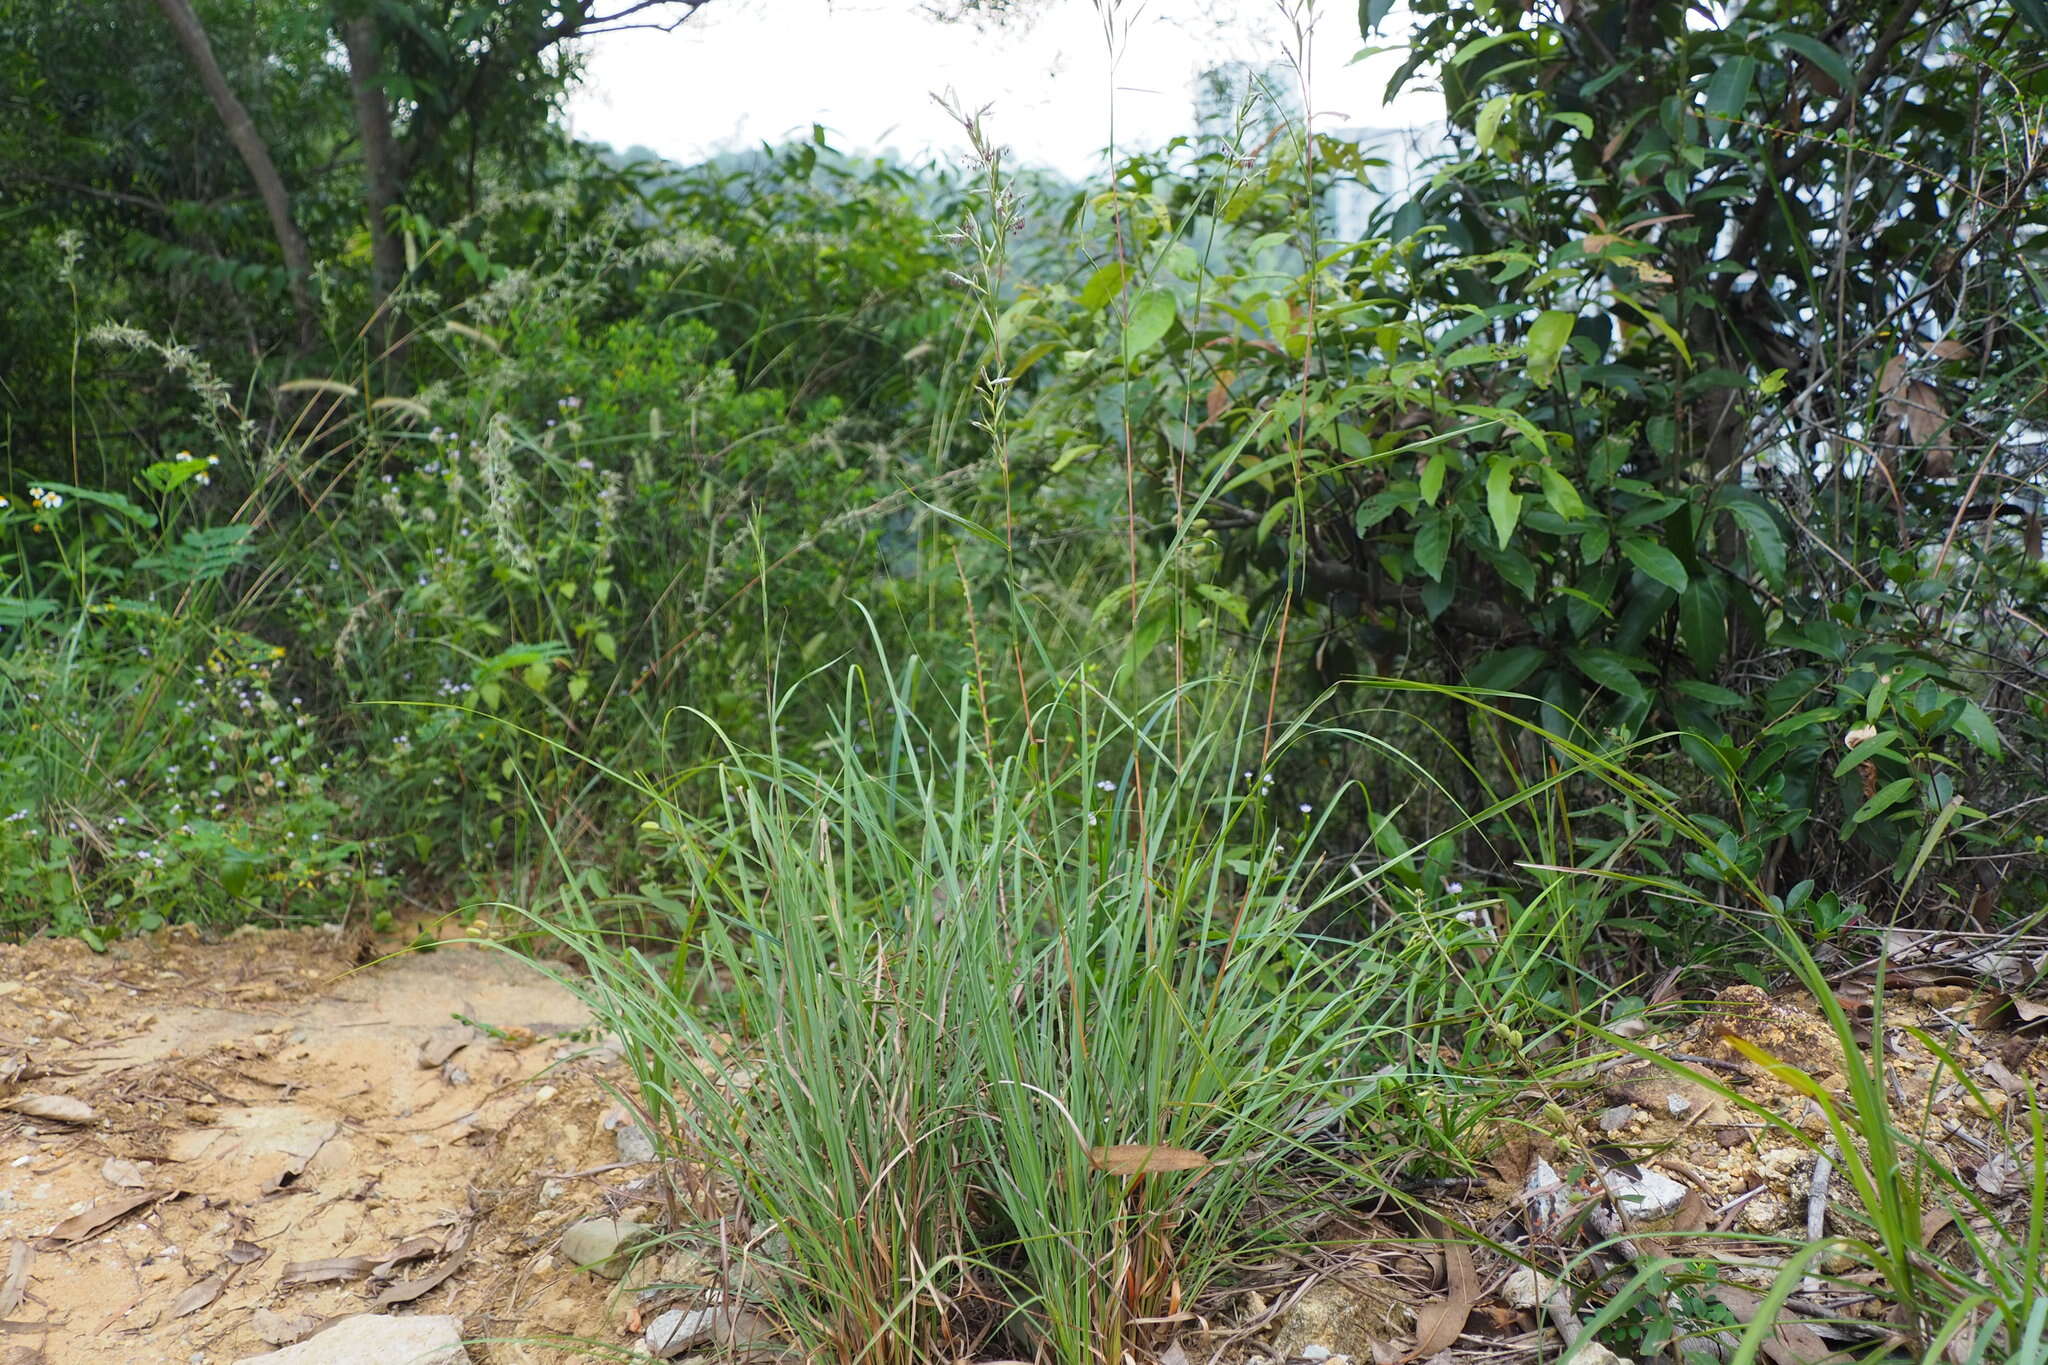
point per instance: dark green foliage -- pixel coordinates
(1666, 398)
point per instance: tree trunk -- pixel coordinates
(380, 163)
(255, 155)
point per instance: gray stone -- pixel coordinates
(634, 1144)
(596, 1244)
(376, 1339)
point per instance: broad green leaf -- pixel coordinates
(1546, 342)
(1487, 126)
(1491, 40)
(1882, 800)
(1821, 55)
(1658, 324)
(1371, 14)
(1703, 624)
(1760, 527)
(1014, 317)
(1152, 313)
(1229, 602)
(1608, 669)
(1433, 544)
(1077, 451)
(1433, 477)
(1103, 285)
(1503, 670)
(113, 502)
(1868, 750)
(1728, 91)
(1558, 491)
(1503, 504)
(1580, 122)
(1656, 561)
(1976, 726)
(1709, 693)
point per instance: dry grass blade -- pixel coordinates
(311, 385)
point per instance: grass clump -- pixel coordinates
(995, 1044)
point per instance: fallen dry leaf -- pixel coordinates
(1916, 405)
(323, 1271)
(405, 1291)
(120, 1171)
(14, 1288)
(2003, 1176)
(1144, 1159)
(101, 1216)
(1439, 1323)
(1790, 1343)
(199, 1295)
(246, 1253)
(416, 1248)
(2014, 1012)
(443, 1043)
(56, 1108)
(296, 1165)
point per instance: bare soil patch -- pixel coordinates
(265, 1103)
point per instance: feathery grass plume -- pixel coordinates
(504, 492)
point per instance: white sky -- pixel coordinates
(747, 71)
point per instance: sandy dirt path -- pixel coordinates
(184, 1125)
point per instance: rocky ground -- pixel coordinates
(213, 1150)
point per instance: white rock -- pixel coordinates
(376, 1339)
(1652, 1195)
(1591, 1352)
(1525, 1288)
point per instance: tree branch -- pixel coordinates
(241, 131)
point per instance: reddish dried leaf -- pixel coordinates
(1144, 1159)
